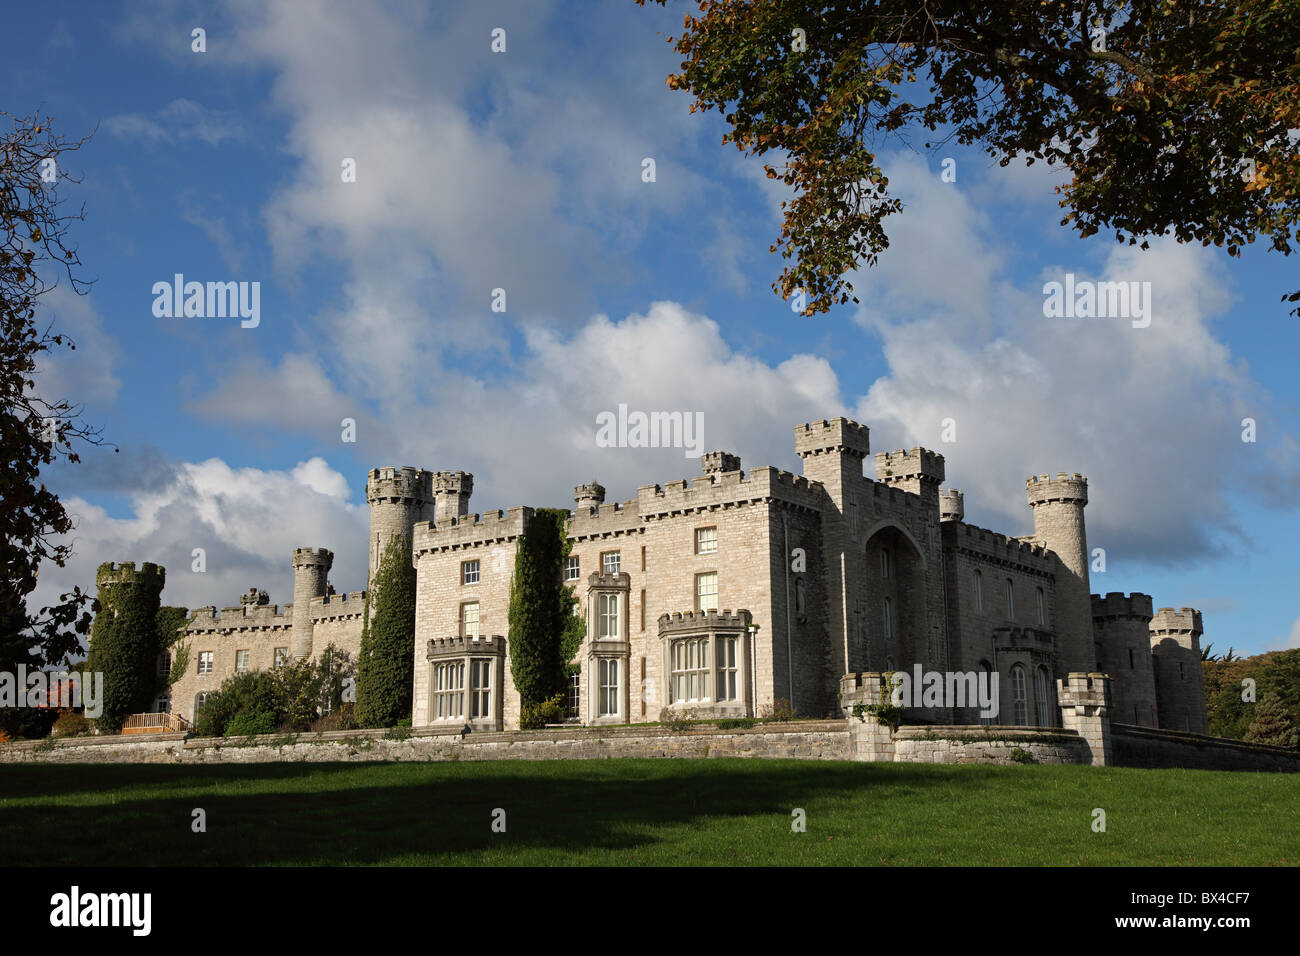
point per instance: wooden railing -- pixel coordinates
(155, 724)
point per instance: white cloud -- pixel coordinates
(179, 121)
(85, 374)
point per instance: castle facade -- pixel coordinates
(736, 593)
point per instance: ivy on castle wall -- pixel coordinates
(124, 640)
(541, 610)
(385, 667)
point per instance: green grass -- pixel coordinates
(644, 812)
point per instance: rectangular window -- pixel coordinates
(480, 682)
(575, 695)
(727, 668)
(607, 613)
(609, 687)
(572, 568)
(706, 540)
(889, 619)
(609, 562)
(643, 557)
(1011, 600)
(977, 590)
(241, 661)
(643, 609)
(706, 591)
(884, 562)
(1042, 609)
(279, 656)
(205, 662)
(165, 664)
(469, 572)
(449, 690)
(690, 669)
(469, 621)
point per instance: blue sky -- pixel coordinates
(522, 170)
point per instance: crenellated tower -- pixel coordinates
(453, 489)
(918, 470)
(1058, 505)
(1120, 624)
(952, 505)
(1176, 659)
(311, 569)
(398, 498)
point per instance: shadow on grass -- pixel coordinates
(91, 815)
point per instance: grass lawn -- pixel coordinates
(643, 812)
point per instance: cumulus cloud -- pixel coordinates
(84, 375)
(180, 121)
(247, 521)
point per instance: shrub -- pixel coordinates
(253, 696)
(677, 720)
(536, 716)
(249, 723)
(780, 710)
(1020, 755)
(342, 718)
(735, 723)
(69, 723)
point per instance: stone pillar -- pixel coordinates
(869, 739)
(1085, 709)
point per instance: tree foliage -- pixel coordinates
(386, 664)
(124, 640)
(35, 429)
(1275, 674)
(1273, 724)
(1169, 115)
(541, 609)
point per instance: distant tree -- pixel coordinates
(35, 429)
(386, 663)
(1169, 116)
(1273, 724)
(1276, 674)
(308, 687)
(541, 609)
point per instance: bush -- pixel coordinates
(253, 697)
(677, 720)
(342, 718)
(1020, 755)
(736, 723)
(247, 724)
(69, 723)
(780, 711)
(536, 716)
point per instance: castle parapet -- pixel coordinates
(997, 547)
(712, 620)
(399, 484)
(952, 505)
(716, 462)
(458, 646)
(727, 489)
(1070, 488)
(468, 530)
(835, 436)
(1169, 621)
(335, 606)
(612, 517)
(1116, 604)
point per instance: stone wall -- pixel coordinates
(1151, 748)
(979, 744)
(827, 740)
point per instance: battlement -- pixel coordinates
(916, 463)
(313, 557)
(606, 518)
(459, 646)
(995, 546)
(338, 605)
(463, 530)
(952, 505)
(407, 484)
(598, 580)
(255, 597)
(683, 621)
(453, 482)
(1168, 620)
(836, 435)
(241, 617)
(590, 495)
(1118, 604)
(1069, 488)
(897, 497)
(727, 488)
(127, 573)
(715, 462)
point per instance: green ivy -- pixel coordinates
(386, 666)
(541, 610)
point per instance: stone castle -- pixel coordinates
(739, 592)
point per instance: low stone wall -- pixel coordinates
(820, 739)
(980, 744)
(1151, 748)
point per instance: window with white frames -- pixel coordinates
(609, 686)
(1011, 600)
(690, 669)
(205, 662)
(241, 661)
(1019, 701)
(607, 608)
(575, 694)
(884, 563)
(469, 572)
(706, 591)
(449, 690)
(1042, 606)
(572, 568)
(200, 699)
(888, 617)
(610, 563)
(480, 689)
(469, 620)
(726, 689)
(706, 540)
(1042, 698)
(977, 590)
(279, 656)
